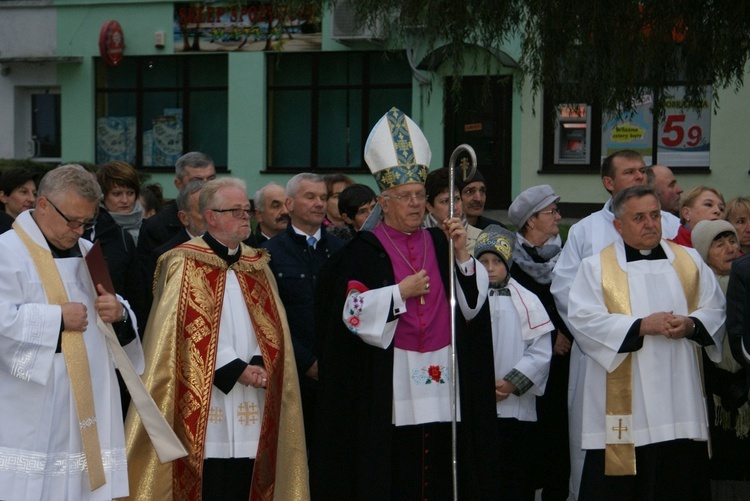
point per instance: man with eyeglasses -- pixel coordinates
(384, 409)
(61, 417)
(219, 358)
(297, 255)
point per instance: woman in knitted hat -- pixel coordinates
(726, 381)
(535, 214)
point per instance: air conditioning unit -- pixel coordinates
(345, 27)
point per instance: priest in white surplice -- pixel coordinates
(642, 309)
(588, 237)
(48, 309)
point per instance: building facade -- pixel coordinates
(270, 94)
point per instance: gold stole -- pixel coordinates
(76, 360)
(619, 451)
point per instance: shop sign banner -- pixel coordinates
(245, 26)
(685, 134)
(632, 132)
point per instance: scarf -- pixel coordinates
(537, 262)
(130, 222)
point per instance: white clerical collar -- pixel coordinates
(300, 232)
(191, 235)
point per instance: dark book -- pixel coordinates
(97, 267)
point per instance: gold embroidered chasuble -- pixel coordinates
(181, 344)
(619, 452)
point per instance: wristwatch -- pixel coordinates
(124, 314)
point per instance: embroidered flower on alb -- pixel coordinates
(437, 374)
(354, 313)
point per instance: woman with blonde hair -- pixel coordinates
(701, 203)
(737, 212)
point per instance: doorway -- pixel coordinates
(483, 121)
(38, 124)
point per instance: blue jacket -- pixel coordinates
(296, 267)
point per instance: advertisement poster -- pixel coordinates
(633, 132)
(685, 134)
(244, 26)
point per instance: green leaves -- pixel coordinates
(605, 51)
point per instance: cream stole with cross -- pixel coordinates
(619, 451)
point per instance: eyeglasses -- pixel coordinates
(72, 223)
(549, 212)
(419, 197)
(236, 213)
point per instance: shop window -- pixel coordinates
(151, 110)
(578, 136)
(321, 106)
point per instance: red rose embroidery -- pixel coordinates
(354, 321)
(434, 372)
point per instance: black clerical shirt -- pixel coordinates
(633, 340)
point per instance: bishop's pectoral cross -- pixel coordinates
(619, 429)
(464, 164)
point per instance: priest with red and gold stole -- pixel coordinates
(219, 364)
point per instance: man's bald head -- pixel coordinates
(667, 188)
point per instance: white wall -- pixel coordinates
(28, 30)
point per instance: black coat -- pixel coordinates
(123, 264)
(255, 239)
(6, 221)
(350, 455)
(158, 229)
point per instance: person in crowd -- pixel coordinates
(221, 368)
(151, 199)
(662, 179)
(17, 194)
(588, 237)
(700, 203)
(117, 225)
(522, 348)
(121, 188)
(737, 212)
(191, 218)
(270, 213)
(384, 408)
(57, 370)
(537, 248)
(437, 205)
(297, 256)
(335, 184)
(193, 226)
(726, 381)
(473, 197)
(640, 308)
(165, 224)
(356, 203)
